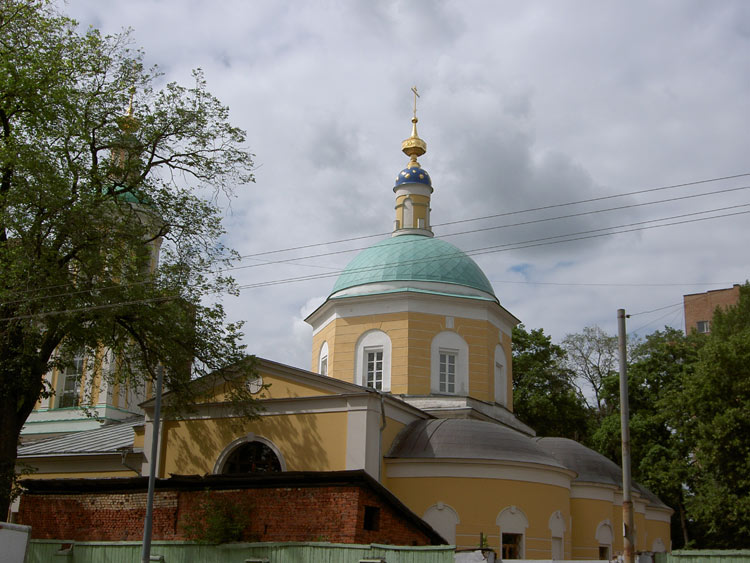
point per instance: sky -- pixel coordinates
(523, 105)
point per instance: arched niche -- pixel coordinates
(372, 361)
(501, 376)
(513, 524)
(443, 519)
(449, 354)
(557, 535)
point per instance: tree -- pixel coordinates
(659, 454)
(592, 356)
(88, 193)
(544, 396)
(715, 423)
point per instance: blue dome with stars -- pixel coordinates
(413, 175)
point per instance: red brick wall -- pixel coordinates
(701, 306)
(326, 513)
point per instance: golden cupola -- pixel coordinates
(413, 187)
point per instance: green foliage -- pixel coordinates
(715, 402)
(88, 197)
(217, 518)
(544, 396)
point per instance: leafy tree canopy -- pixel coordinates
(544, 396)
(91, 192)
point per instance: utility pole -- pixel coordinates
(148, 522)
(627, 501)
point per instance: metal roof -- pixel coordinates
(453, 438)
(591, 466)
(408, 258)
(107, 439)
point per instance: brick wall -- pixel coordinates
(701, 306)
(334, 513)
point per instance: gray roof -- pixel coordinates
(107, 439)
(448, 438)
(591, 466)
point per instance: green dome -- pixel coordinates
(413, 258)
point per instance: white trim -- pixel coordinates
(592, 491)
(500, 376)
(323, 355)
(657, 514)
(416, 188)
(369, 341)
(247, 438)
(473, 469)
(438, 287)
(399, 301)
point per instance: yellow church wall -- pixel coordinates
(537, 501)
(411, 336)
(310, 442)
(587, 514)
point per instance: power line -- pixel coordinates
(594, 233)
(522, 223)
(548, 219)
(508, 213)
(499, 248)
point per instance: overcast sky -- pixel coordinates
(523, 105)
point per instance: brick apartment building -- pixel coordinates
(700, 307)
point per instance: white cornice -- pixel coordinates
(480, 469)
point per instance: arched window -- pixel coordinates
(449, 358)
(443, 519)
(372, 367)
(501, 377)
(250, 454)
(557, 535)
(513, 523)
(323, 359)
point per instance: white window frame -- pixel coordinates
(703, 327)
(449, 341)
(323, 359)
(372, 340)
(373, 363)
(73, 373)
(447, 360)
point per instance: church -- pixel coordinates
(410, 381)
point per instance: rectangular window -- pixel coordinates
(447, 372)
(372, 518)
(512, 546)
(704, 327)
(69, 388)
(374, 362)
(324, 365)
(604, 552)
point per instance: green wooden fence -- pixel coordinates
(705, 556)
(44, 551)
